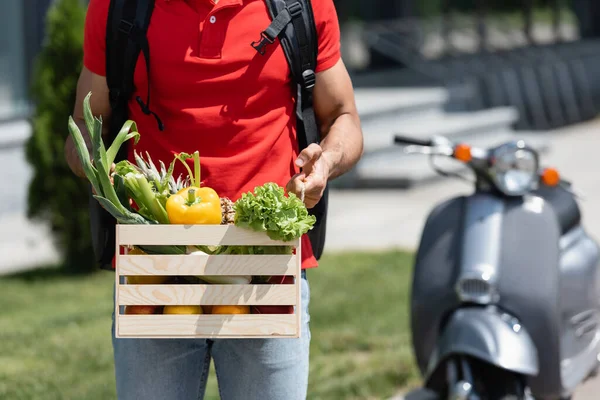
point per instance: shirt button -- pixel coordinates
(213, 19)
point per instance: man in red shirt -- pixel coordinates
(214, 93)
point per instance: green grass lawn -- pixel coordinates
(55, 332)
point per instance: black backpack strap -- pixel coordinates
(127, 24)
(126, 28)
(293, 23)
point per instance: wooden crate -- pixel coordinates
(205, 325)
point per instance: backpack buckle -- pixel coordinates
(309, 78)
(295, 9)
(125, 27)
(262, 43)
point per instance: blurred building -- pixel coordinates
(22, 243)
(21, 35)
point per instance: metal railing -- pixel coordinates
(552, 82)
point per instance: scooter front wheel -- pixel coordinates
(468, 378)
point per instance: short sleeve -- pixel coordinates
(94, 39)
(328, 32)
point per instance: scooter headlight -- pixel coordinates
(514, 168)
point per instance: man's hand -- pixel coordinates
(342, 142)
(314, 176)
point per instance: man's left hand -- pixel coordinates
(313, 176)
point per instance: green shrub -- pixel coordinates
(55, 194)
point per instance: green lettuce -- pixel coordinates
(269, 210)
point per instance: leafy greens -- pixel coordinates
(269, 210)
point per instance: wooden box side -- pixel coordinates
(205, 325)
(209, 326)
(212, 294)
(209, 235)
(172, 265)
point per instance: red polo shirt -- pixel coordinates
(215, 93)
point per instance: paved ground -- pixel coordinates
(380, 219)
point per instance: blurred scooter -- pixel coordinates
(505, 293)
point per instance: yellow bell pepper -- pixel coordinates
(194, 205)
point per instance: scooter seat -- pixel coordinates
(564, 205)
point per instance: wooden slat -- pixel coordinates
(298, 285)
(208, 326)
(207, 265)
(210, 235)
(207, 295)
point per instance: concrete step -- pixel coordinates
(14, 133)
(407, 103)
(379, 132)
(14, 165)
(392, 168)
(25, 244)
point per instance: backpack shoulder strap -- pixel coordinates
(126, 19)
(293, 24)
(126, 27)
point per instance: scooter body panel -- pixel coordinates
(488, 334)
(528, 283)
(434, 276)
(487, 249)
(580, 304)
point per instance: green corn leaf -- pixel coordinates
(98, 142)
(156, 249)
(110, 207)
(121, 191)
(88, 116)
(127, 132)
(84, 156)
(108, 191)
(125, 217)
(149, 200)
(107, 188)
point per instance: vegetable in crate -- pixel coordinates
(282, 217)
(230, 310)
(143, 279)
(269, 210)
(148, 187)
(194, 204)
(183, 310)
(114, 198)
(217, 279)
(98, 173)
(143, 309)
(227, 211)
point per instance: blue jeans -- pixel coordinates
(247, 369)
